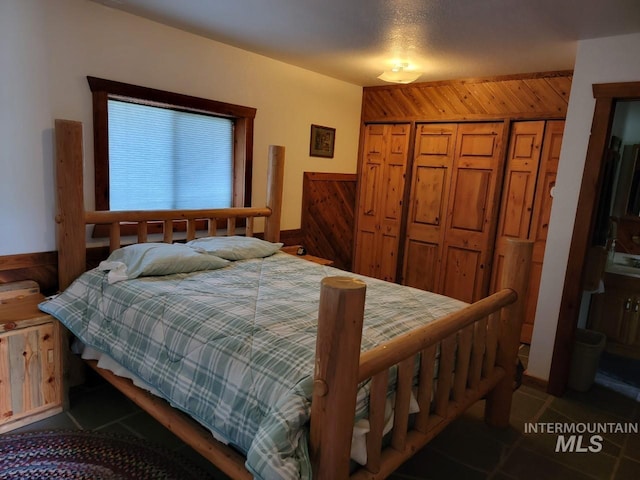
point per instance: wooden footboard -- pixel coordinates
(472, 353)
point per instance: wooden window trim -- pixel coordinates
(243, 117)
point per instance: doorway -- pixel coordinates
(607, 96)
(613, 310)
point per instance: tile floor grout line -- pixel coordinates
(618, 460)
(538, 415)
(502, 460)
(132, 431)
(113, 422)
(455, 460)
(506, 453)
(619, 418)
(510, 449)
(73, 419)
(623, 448)
(568, 467)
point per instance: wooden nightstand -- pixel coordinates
(292, 249)
(30, 362)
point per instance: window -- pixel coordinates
(162, 150)
(166, 159)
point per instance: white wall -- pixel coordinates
(606, 60)
(48, 48)
(26, 169)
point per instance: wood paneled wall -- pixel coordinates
(41, 267)
(328, 202)
(530, 96)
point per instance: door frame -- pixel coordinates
(606, 95)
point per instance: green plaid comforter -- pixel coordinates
(234, 347)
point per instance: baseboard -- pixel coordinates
(534, 382)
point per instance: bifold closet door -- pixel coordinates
(541, 215)
(381, 190)
(521, 175)
(472, 208)
(532, 164)
(431, 180)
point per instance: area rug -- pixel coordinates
(73, 455)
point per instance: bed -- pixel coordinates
(440, 357)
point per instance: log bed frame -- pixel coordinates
(478, 345)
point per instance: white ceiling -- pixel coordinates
(355, 40)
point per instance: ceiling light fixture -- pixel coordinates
(400, 73)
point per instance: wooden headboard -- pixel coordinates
(72, 218)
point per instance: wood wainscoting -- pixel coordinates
(42, 267)
(328, 203)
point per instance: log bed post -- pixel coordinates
(515, 276)
(275, 180)
(72, 246)
(335, 383)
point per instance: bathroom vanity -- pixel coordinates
(616, 311)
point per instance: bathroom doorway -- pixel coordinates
(607, 96)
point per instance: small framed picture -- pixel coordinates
(323, 140)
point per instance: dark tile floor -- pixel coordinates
(467, 449)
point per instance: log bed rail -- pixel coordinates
(481, 341)
(460, 358)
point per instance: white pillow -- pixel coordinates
(235, 247)
(149, 259)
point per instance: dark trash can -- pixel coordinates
(587, 348)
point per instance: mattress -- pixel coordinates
(234, 347)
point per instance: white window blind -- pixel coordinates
(167, 159)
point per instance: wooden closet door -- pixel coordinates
(382, 181)
(519, 187)
(472, 211)
(541, 215)
(370, 198)
(532, 164)
(431, 179)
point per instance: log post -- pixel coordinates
(275, 181)
(515, 276)
(72, 246)
(336, 375)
